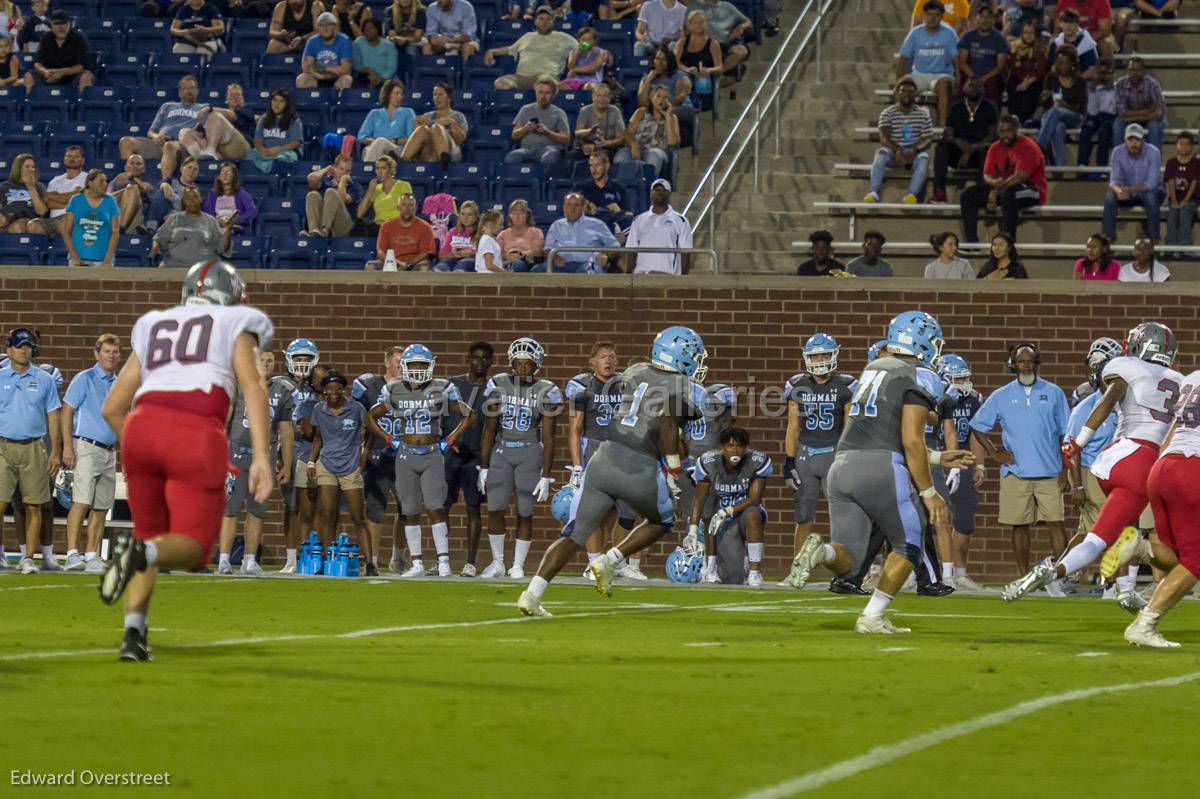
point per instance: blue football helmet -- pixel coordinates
(417, 354)
(821, 344)
(1102, 350)
(55, 374)
(684, 568)
(301, 346)
(957, 372)
(918, 334)
(876, 350)
(560, 505)
(528, 349)
(63, 483)
(680, 349)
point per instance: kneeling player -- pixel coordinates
(736, 475)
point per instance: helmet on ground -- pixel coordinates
(413, 355)
(683, 567)
(957, 372)
(821, 344)
(918, 334)
(680, 349)
(64, 482)
(560, 506)
(526, 348)
(1153, 342)
(299, 347)
(212, 282)
(876, 349)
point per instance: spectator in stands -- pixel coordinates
(1014, 177)
(352, 15)
(10, 63)
(91, 223)
(822, 262)
(948, 265)
(228, 199)
(375, 58)
(439, 134)
(665, 72)
(1101, 112)
(1065, 94)
(36, 26)
(1144, 268)
(64, 56)
(619, 9)
(162, 139)
(587, 62)
(191, 236)
(22, 198)
(328, 57)
(1135, 179)
(248, 9)
(197, 28)
(132, 194)
(451, 29)
(699, 55)
(332, 200)
(540, 53)
(521, 242)
(62, 188)
(600, 126)
(407, 29)
(1095, 17)
(660, 226)
(906, 133)
(1140, 100)
(602, 197)
(660, 22)
(730, 28)
(386, 129)
(168, 197)
(225, 132)
(983, 53)
(1027, 70)
(540, 128)
(382, 198)
(928, 56)
(1085, 46)
(292, 24)
(870, 263)
(10, 19)
(576, 230)
(279, 134)
(457, 253)
(970, 130)
(1019, 12)
(1180, 178)
(1097, 262)
(1003, 262)
(653, 133)
(488, 256)
(408, 237)
(1157, 9)
(956, 14)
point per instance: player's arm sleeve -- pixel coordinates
(766, 468)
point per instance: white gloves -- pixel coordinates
(718, 519)
(672, 486)
(483, 479)
(576, 476)
(691, 542)
(541, 492)
(953, 478)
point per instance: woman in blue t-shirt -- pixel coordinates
(279, 133)
(90, 225)
(386, 129)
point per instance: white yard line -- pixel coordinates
(882, 755)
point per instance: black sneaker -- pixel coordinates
(135, 646)
(129, 556)
(935, 589)
(372, 570)
(840, 586)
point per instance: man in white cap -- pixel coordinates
(327, 57)
(661, 226)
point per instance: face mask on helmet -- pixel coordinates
(417, 371)
(820, 363)
(300, 364)
(526, 349)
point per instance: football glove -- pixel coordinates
(719, 518)
(691, 542)
(953, 478)
(1070, 451)
(576, 476)
(482, 479)
(673, 477)
(541, 492)
(447, 445)
(790, 473)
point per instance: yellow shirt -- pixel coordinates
(384, 205)
(958, 12)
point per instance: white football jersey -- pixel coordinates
(1148, 407)
(190, 347)
(1186, 440)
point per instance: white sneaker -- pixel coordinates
(494, 571)
(811, 553)
(250, 569)
(51, 564)
(1117, 557)
(1055, 589)
(755, 580)
(94, 566)
(872, 579)
(288, 568)
(631, 573)
(1131, 601)
(910, 585)
(4, 567)
(1039, 576)
(468, 570)
(786, 582)
(965, 583)
(602, 571)
(207, 153)
(1142, 633)
(710, 576)
(396, 566)
(516, 572)
(530, 605)
(27, 566)
(73, 563)
(587, 574)
(417, 569)
(878, 624)
(444, 569)
(225, 568)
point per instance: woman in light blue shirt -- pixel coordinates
(279, 134)
(387, 128)
(374, 57)
(90, 225)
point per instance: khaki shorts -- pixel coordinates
(347, 482)
(1091, 508)
(1026, 501)
(95, 483)
(235, 149)
(519, 81)
(24, 465)
(148, 149)
(300, 474)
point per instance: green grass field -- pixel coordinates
(349, 688)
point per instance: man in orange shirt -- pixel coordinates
(410, 239)
(956, 15)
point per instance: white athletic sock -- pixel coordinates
(960, 571)
(71, 552)
(947, 571)
(441, 538)
(151, 553)
(496, 542)
(21, 549)
(375, 560)
(248, 560)
(594, 556)
(224, 559)
(137, 621)
(1134, 569)
(1148, 616)
(1083, 553)
(397, 553)
(90, 556)
(291, 557)
(878, 604)
(755, 551)
(537, 586)
(47, 551)
(522, 552)
(755, 573)
(830, 553)
(1124, 583)
(635, 564)
(614, 557)
(712, 562)
(412, 534)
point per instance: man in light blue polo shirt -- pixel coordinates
(577, 230)
(28, 410)
(89, 447)
(1033, 420)
(451, 29)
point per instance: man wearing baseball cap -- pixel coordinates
(327, 57)
(29, 408)
(541, 52)
(63, 56)
(1135, 179)
(661, 226)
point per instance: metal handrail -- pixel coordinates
(709, 251)
(760, 109)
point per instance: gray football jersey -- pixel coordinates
(279, 400)
(731, 487)
(367, 390)
(704, 432)
(650, 394)
(884, 388)
(520, 406)
(821, 405)
(598, 400)
(418, 410)
(472, 394)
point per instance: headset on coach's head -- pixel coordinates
(1020, 345)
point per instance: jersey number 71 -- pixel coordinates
(868, 388)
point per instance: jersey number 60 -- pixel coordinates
(183, 344)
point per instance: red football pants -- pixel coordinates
(1174, 487)
(1126, 493)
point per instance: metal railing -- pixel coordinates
(709, 251)
(747, 130)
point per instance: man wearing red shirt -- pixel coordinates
(1095, 17)
(1014, 177)
(408, 237)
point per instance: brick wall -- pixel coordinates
(753, 327)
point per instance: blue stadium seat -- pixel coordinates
(297, 180)
(249, 35)
(424, 178)
(87, 135)
(12, 102)
(472, 103)
(504, 32)
(570, 101)
(169, 68)
(146, 102)
(279, 70)
(545, 213)
(105, 38)
(256, 182)
(133, 251)
(57, 255)
(149, 35)
(477, 194)
(78, 9)
(119, 9)
(507, 102)
(226, 68)
(351, 253)
(22, 137)
(519, 180)
(127, 69)
(250, 252)
(434, 68)
(112, 139)
(208, 173)
(297, 252)
(106, 104)
(23, 248)
(364, 99)
(419, 99)
(313, 106)
(489, 143)
(279, 216)
(54, 104)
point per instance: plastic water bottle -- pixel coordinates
(330, 563)
(302, 564)
(389, 261)
(353, 559)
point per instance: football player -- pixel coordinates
(379, 475)
(280, 389)
(881, 467)
(517, 450)
(718, 404)
(1145, 389)
(462, 467)
(301, 357)
(959, 487)
(184, 366)
(736, 476)
(419, 403)
(639, 463)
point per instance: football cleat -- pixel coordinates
(710, 576)
(495, 570)
(444, 569)
(530, 605)
(965, 583)
(631, 573)
(396, 565)
(1039, 576)
(225, 567)
(73, 563)
(250, 569)
(810, 556)
(602, 571)
(516, 572)
(370, 570)
(51, 564)
(1120, 553)
(839, 585)
(1055, 589)
(935, 589)
(468, 570)
(1144, 633)
(1131, 601)
(94, 566)
(134, 646)
(754, 580)
(288, 568)
(417, 569)
(129, 555)
(27, 566)
(879, 625)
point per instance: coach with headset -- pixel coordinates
(1033, 414)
